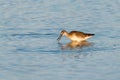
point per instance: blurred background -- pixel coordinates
(29, 49)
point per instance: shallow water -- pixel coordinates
(29, 49)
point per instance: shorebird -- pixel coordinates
(75, 35)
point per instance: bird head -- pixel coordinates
(63, 32)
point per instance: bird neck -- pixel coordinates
(66, 34)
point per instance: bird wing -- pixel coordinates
(77, 33)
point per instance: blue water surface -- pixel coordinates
(29, 49)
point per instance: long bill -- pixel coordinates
(59, 37)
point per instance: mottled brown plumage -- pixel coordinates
(75, 35)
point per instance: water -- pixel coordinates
(29, 49)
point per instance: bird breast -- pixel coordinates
(75, 38)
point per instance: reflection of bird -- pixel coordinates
(75, 35)
(74, 44)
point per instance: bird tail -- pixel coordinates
(87, 34)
